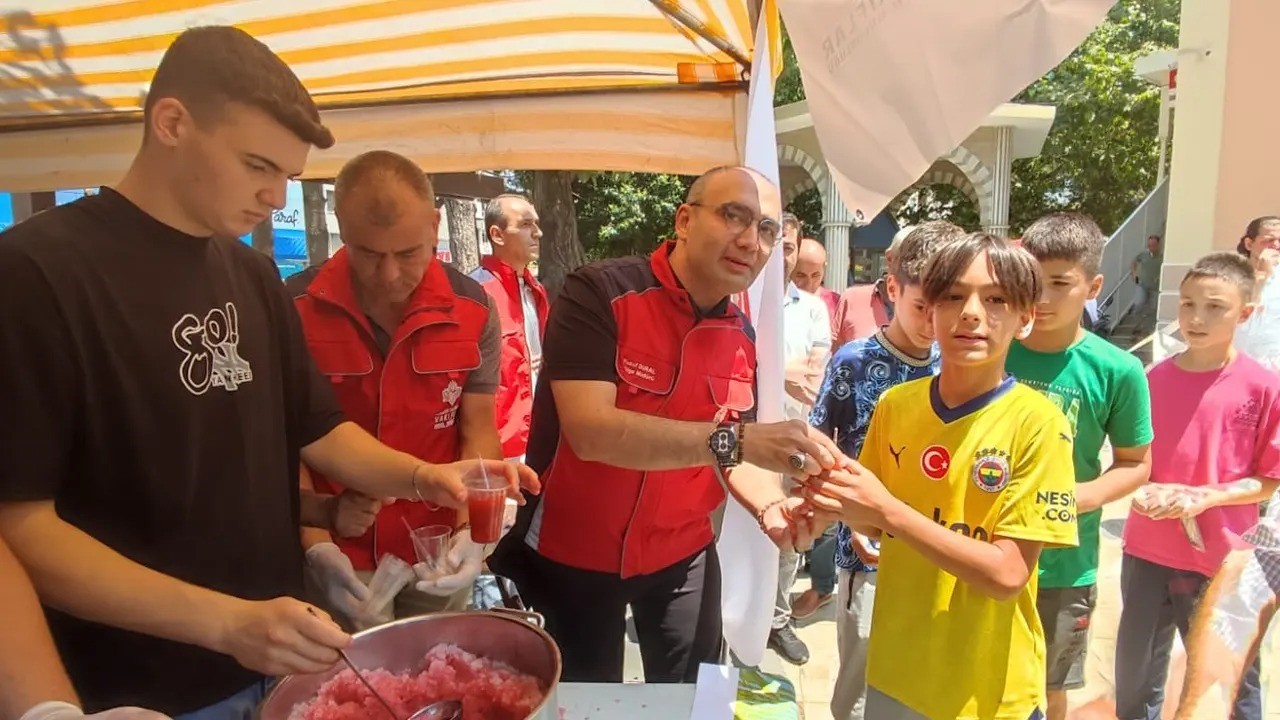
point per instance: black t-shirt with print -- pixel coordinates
(157, 387)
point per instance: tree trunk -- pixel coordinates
(313, 211)
(561, 252)
(464, 243)
(263, 239)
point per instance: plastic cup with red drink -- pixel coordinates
(486, 502)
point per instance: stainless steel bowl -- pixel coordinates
(504, 636)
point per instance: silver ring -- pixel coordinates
(797, 460)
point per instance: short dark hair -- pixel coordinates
(1069, 236)
(919, 246)
(1014, 268)
(790, 220)
(1227, 266)
(1255, 228)
(493, 212)
(208, 67)
(372, 171)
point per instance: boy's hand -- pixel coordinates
(853, 492)
(862, 547)
(1172, 502)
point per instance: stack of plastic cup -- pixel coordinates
(431, 545)
(387, 582)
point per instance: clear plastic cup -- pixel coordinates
(431, 545)
(486, 504)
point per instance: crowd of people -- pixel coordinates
(206, 466)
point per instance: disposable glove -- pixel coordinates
(336, 577)
(461, 567)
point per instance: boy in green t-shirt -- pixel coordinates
(1102, 390)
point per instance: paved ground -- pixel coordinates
(814, 680)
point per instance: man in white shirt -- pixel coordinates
(806, 342)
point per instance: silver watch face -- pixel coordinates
(723, 442)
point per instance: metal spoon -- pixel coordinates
(347, 659)
(442, 710)
(359, 675)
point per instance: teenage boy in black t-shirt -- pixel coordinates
(155, 396)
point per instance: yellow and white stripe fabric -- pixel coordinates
(458, 85)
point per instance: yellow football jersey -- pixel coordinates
(998, 466)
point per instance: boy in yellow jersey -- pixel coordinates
(966, 475)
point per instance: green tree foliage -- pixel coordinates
(622, 213)
(808, 207)
(788, 89)
(1101, 157)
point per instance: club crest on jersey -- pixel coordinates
(451, 393)
(935, 461)
(991, 470)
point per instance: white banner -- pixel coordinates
(749, 560)
(893, 85)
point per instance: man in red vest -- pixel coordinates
(646, 399)
(410, 346)
(512, 225)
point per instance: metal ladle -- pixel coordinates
(440, 710)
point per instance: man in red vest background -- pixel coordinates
(511, 223)
(410, 346)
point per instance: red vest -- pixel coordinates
(671, 364)
(409, 399)
(515, 393)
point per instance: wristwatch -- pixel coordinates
(726, 444)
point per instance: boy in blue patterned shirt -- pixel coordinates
(857, 375)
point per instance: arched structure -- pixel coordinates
(814, 172)
(966, 172)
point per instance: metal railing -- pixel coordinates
(1118, 288)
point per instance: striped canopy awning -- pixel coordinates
(458, 85)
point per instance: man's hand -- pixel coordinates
(791, 524)
(802, 382)
(55, 710)
(280, 637)
(333, 572)
(462, 566)
(851, 491)
(443, 484)
(352, 513)
(770, 446)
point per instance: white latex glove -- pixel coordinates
(462, 566)
(56, 710)
(333, 572)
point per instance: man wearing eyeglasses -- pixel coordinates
(647, 397)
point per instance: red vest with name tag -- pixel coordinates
(671, 363)
(408, 399)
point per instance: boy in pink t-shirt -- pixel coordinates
(1216, 455)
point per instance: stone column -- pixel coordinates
(1002, 174)
(836, 222)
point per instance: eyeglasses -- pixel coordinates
(737, 218)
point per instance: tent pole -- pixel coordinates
(673, 11)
